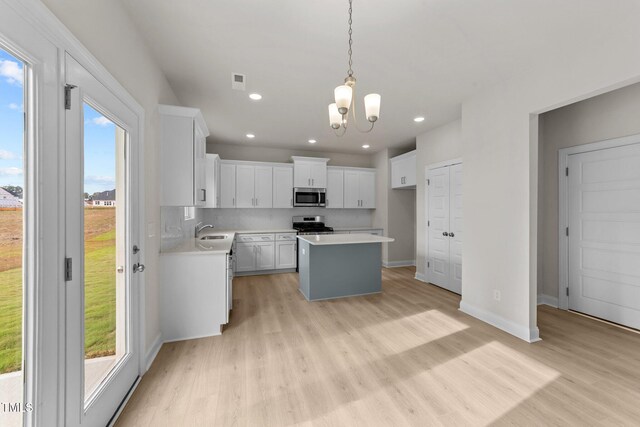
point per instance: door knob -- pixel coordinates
(444, 233)
(120, 269)
(451, 234)
(138, 268)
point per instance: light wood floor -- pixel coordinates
(404, 357)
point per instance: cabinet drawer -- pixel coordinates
(286, 236)
(248, 238)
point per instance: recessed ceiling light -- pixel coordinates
(419, 119)
(365, 146)
(255, 96)
(312, 141)
(250, 135)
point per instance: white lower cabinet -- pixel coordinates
(286, 245)
(245, 257)
(265, 256)
(265, 252)
(195, 295)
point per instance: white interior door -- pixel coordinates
(102, 348)
(455, 228)
(445, 227)
(439, 227)
(604, 234)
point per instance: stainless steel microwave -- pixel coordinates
(309, 197)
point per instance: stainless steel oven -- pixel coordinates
(309, 197)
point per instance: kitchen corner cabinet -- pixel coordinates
(213, 181)
(309, 172)
(359, 189)
(283, 186)
(183, 135)
(335, 188)
(403, 171)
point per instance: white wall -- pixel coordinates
(106, 30)
(438, 145)
(395, 211)
(501, 176)
(611, 115)
(283, 155)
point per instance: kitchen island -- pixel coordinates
(340, 265)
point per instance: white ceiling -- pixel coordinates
(423, 56)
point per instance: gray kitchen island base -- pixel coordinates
(334, 271)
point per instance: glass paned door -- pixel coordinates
(102, 301)
(105, 308)
(12, 254)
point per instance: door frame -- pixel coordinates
(428, 168)
(51, 406)
(563, 205)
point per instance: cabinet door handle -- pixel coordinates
(204, 195)
(291, 202)
(233, 201)
(313, 181)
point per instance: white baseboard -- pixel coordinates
(421, 277)
(392, 264)
(522, 332)
(153, 351)
(548, 300)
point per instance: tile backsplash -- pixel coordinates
(250, 219)
(174, 227)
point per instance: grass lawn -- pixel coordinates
(100, 294)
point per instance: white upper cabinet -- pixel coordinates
(263, 187)
(283, 186)
(335, 188)
(403, 170)
(213, 181)
(359, 189)
(227, 185)
(182, 156)
(309, 172)
(254, 186)
(245, 186)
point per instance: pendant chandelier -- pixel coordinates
(345, 98)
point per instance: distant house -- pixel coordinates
(105, 199)
(8, 200)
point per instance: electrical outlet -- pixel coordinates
(496, 295)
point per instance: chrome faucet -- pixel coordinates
(200, 228)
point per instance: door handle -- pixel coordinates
(138, 268)
(120, 269)
(444, 233)
(451, 235)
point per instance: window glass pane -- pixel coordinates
(11, 237)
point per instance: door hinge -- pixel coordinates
(67, 96)
(566, 171)
(567, 231)
(68, 269)
(567, 291)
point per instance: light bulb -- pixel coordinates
(372, 106)
(335, 118)
(343, 96)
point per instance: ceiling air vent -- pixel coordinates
(238, 81)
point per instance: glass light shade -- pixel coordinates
(335, 118)
(343, 98)
(372, 106)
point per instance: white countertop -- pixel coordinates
(222, 246)
(344, 239)
(355, 228)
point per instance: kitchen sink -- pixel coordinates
(217, 237)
